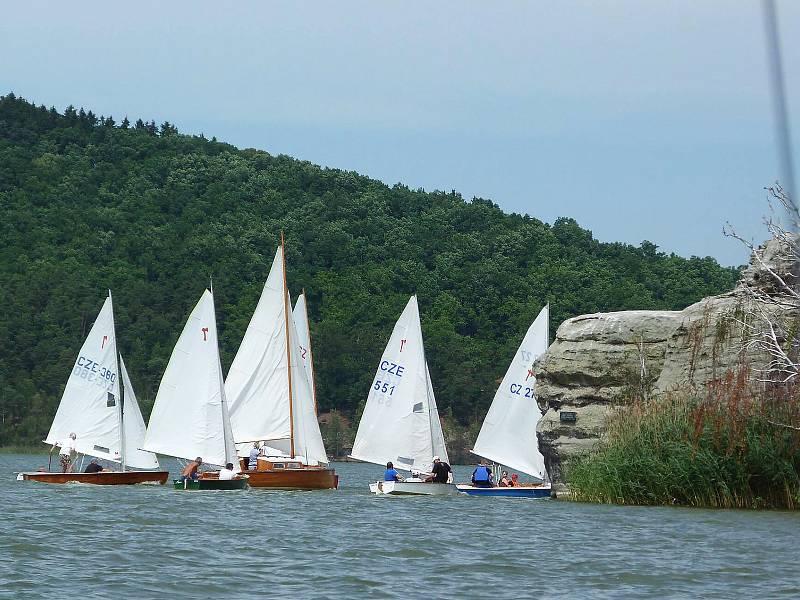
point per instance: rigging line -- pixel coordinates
(777, 83)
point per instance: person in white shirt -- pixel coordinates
(227, 473)
(67, 452)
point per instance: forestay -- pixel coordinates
(190, 416)
(258, 380)
(89, 407)
(133, 427)
(508, 435)
(401, 422)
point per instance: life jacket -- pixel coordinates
(481, 474)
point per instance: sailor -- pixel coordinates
(252, 463)
(227, 473)
(190, 471)
(482, 476)
(67, 452)
(391, 474)
(504, 480)
(440, 472)
(93, 467)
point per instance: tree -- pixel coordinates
(775, 293)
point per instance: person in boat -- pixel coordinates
(252, 463)
(505, 480)
(227, 473)
(514, 480)
(67, 452)
(93, 467)
(482, 476)
(391, 473)
(440, 472)
(190, 470)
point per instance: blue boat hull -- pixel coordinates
(508, 492)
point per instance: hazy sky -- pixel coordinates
(642, 120)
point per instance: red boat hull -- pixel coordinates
(101, 478)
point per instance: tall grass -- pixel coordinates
(729, 447)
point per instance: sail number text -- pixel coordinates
(392, 371)
(91, 370)
(520, 390)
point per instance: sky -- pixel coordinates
(640, 120)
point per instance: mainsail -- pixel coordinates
(190, 415)
(508, 434)
(401, 422)
(90, 404)
(262, 407)
(133, 428)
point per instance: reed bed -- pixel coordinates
(730, 447)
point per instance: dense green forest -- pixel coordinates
(90, 204)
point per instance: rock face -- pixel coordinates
(596, 360)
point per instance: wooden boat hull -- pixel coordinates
(532, 491)
(413, 488)
(210, 483)
(101, 478)
(303, 478)
(295, 479)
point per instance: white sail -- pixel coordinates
(190, 413)
(400, 422)
(300, 315)
(89, 407)
(258, 380)
(257, 383)
(508, 434)
(133, 428)
(308, 443)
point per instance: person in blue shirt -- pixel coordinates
(391, 474)
(482, 476)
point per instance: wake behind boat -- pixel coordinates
(98, 417)
(400, 424)
(508, 434)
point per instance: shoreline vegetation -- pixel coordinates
(728, 446)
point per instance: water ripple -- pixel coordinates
(153, 542)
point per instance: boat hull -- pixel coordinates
(210, 484)
(413, 488)
(305, 478)
(101, 478)
(533, 491)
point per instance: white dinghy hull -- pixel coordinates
(413, 488)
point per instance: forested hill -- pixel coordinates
(89, 204)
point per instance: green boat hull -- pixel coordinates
(210, 484)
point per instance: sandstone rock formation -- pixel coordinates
(597, 360)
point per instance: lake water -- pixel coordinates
(59, 541)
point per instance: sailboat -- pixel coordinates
(400, 422)
(190, 414)
(270, 384)
(508, 434)
(103, 415)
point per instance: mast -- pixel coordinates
(311, 356)
(222, 403)
(120, 386)
(427, 378)
(286, 309)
